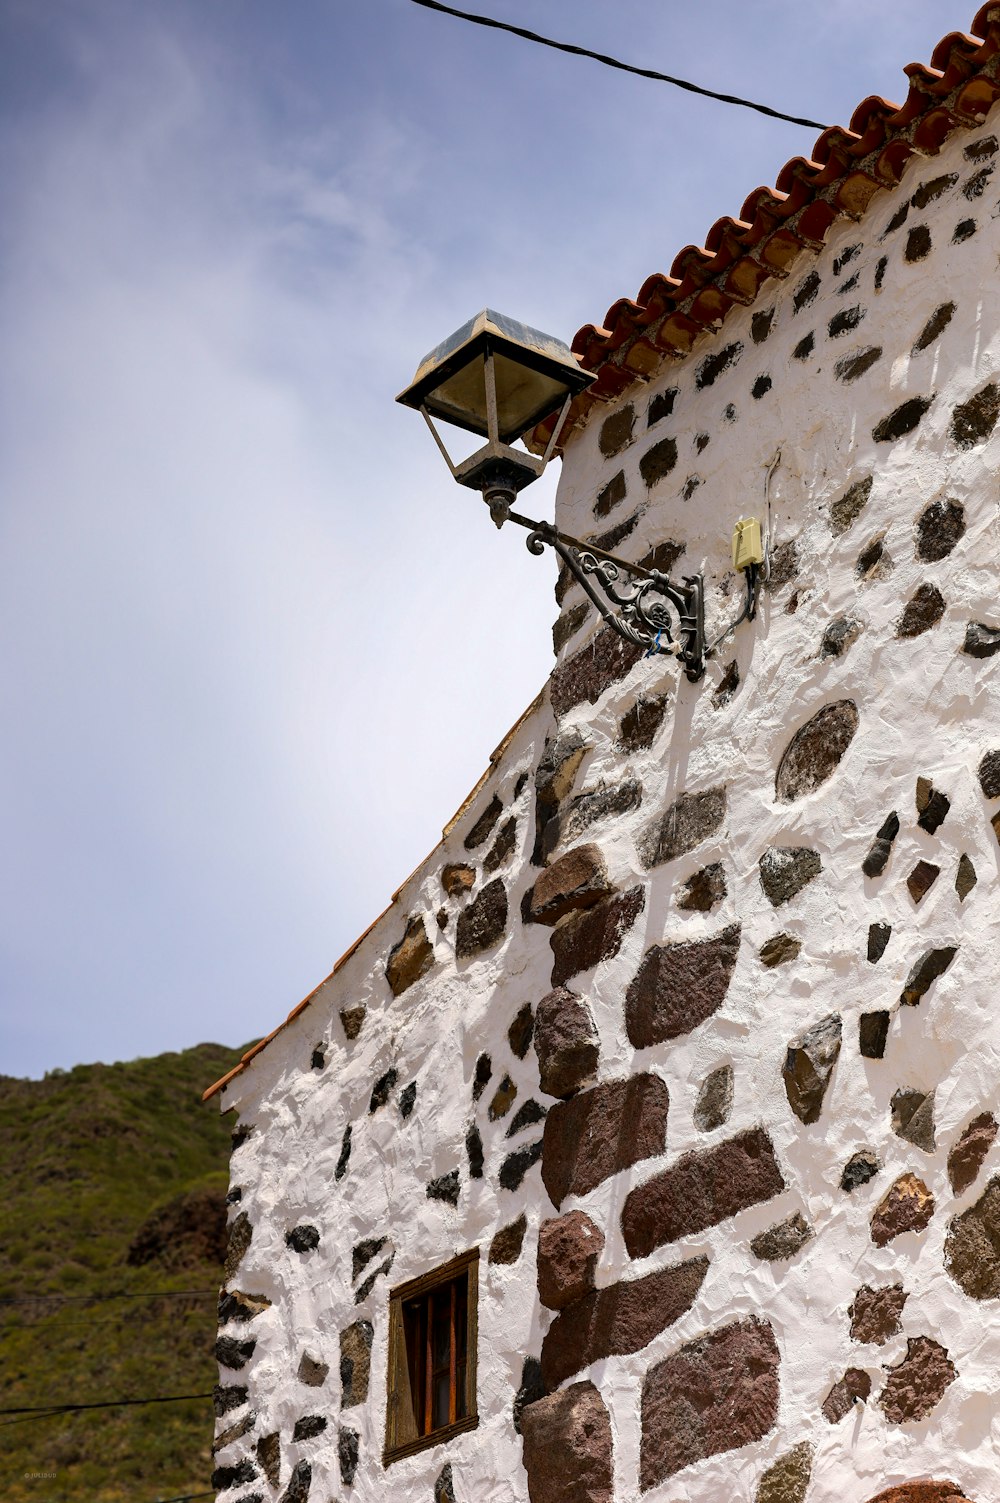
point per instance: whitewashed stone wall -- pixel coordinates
(828, 1040)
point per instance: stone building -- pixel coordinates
(645, 1146)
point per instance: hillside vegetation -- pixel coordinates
(112, 1183)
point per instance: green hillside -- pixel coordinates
(112, 1182)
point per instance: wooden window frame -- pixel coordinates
(400, 1439)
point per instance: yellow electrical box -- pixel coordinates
(747, 547)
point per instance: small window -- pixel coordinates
(432, 1358)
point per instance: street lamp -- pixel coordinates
(498, 378)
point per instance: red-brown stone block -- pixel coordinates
(715, 1394)
(700, 1190)
(678, 986)
(581, 939)
(907, 1206)
(602, 1131)
(568, 1447)
(568, 1249)
(566, 1043)
(579, 879)
(918, 1383)
(966, 1158)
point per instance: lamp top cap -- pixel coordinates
(489, 329)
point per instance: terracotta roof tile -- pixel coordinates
(848, 167)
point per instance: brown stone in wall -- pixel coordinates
(918, 1383)
(875, 1313)
(482, 924)
(579, 879)
(940, 527)
(616, 431)
(922, 1492)
(568, 1449)
(972, 1246)
(606, 658)
(678, 986)
(715, 1099)
(457, 878)
(508, 1241)
(581, 939)
(703, 1188)
(787, 1479)
(355, 1362)
(923, 610)
(566, 1043)
(913, 1118)
(603, 1130)
(703, 890)
(568, 1249)
(808, 1067)
(785, 870)
(778, 1243)
(640, 724)
(352, 1020)
(973, 421)
(410, 959)
(855, 1385)
(618, 1320)
(502, 848)
(692, 818)
(907, 1206)
(715, 1394)
(931, 965)
(596, 805)
(240, 1234)
(816, 750)
(966, 1158)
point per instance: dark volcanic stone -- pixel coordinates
(608, 1128)
(935, 326)
(235, 1305)
(457, 879)
(881, 267)
(704, 890)
(502, 848)
(760, 325)
(897, 219)
(848, 507)
(269, 1456)
(716, 1394)
(410, 959)
(926, 971)
(808, 1067)
(618, 1320)
(302, 1238)
(779, 950)
(508, 1241)
(918, 243)
(407, 1099)
(566, 1043)
(520, 1032)
(966, 1158)
(351, 1019)
(568, 624)
(873, 1031)
(784, 564)
(568, 1447)
(805, 347)
(585, 676)
(874, 561)
(599, 803)
(878, 938)
(703, 1188)
(923, 610)
(855, 1385)
(928, 192)
(859, 1169)
(364, 1289)
(345, 1154)
(474, 1151)
(761, 387)
(527, 1114)
(661, 406)
(844, 321)
(932, 806)
(640, 724)
(579, 879)
(568, 1249)
(727, 685)
(806, 292)
(973, 421)
(975, 186)
(299, 1482)
(530, 1391)
(318, 1059)
(482, 1077)
(445, 1187)
(348, 1446)
(815, 751)
(907, 1206)
(963, 230)
(901, 421)
(308, 1426)
(225, 1477)
(230, 1352)
(363, 1252)
(853, 366)
(972, 1246)
(787, 1479)
(658, 461)
(444, 1486)
(715, 1099)
(989, 774)
(918, 1383)
(503, 1099)
(481, 926)
(382, 1090)
(582, 939)
(913, 1118)
(712, 367)
(783, 1240)
(240, 1234)
(678, 986)
(976, 151)
(875, 862)
(516, 1165)
(312, 1372)
(785, 870)
(616, 431)
(610, 495)
(355, 1362)
(484, 824)
(839, 636)
(981, 641)
(922, 879)
(875, 1313)
(965, 877)
(690, 819)
(227, 1397)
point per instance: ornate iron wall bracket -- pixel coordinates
(640, 613)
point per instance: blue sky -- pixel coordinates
(256, 646)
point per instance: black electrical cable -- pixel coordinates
(26, 1413)
(35, 1299)
(614, 62)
